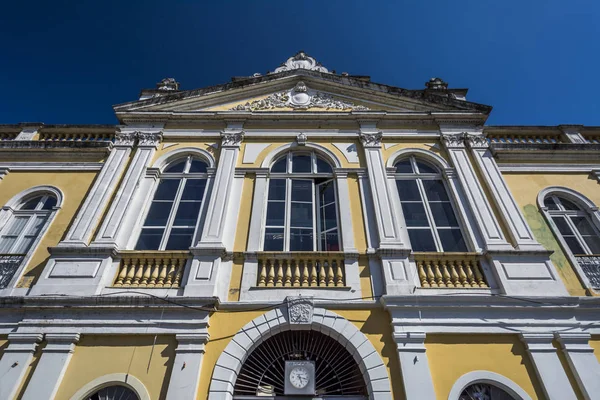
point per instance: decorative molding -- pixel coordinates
(300, 310)
(454, 139)
(479, 141)
(232, 139)
(490, 378)
(124, 138)
(371, 139)
(301, 61)
(301, 139)
(121, 379)
(148, 138)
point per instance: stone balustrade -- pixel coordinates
(450, 270)
(76, 136)
(524, 139)
(301, 269)
(158, 269)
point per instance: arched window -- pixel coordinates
(574, 225)
(172, 218)
(302, 206)
(428, 211)
(113, 393)
(484, 391)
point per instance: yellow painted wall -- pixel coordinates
(30, 369)
(74, 186)
(451, 356)
(595, 344)
(375, 324)
(525, 188)
(96, 356)
(173, 144)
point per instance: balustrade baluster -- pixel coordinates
(461, 274)
(454, 273)
(279, 281)
(262, 275)
(122, 273)
(296, 273)
(139, 272)
(170, 273)
(422, 274)
(305, 277)
(478, 275)
(180, 265)
(430, 274)
(446, 275)
(270, 273)
(339, 274)
(439, 279)
(288, 273)
(470, 276)
(162, 272)
(313, 273)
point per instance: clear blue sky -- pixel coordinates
(535, 62)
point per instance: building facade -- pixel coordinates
(299, 234)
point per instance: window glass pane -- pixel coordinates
(177, 166)
(6, 242)
(435, 190)
(24, 245)
(149, 239)
(421, 240)
(280, 165)
(198, 166)
(275, 213)
(443, 214)
(277, 189)
(569, 205)
(187, 213)
(302, 190)
(167, 189)
(180, 239)
(414, 214)
(273, 239)
(425, 168)
(408, 190)
(593, 243)
(562, 225)
(327, 193)
(301, 240)
(404, 167)
(574, 245)
(323, 166)
(328, 217)
(158, 213)
(17, 225)
(549, 202)
(452, 240)
(301, 215)
(31, 204)
(583, 225)
(37, 225)
(194, 189)
(301, 163)
(49, 203)
(330, 241)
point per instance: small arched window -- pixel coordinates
(26, 223)
(302, 205)
(428, 211)
(484, 391)
(172, 218)
(113, 393)
(574, 225)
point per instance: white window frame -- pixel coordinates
(418, 177)
(290, 176)
(490, 378)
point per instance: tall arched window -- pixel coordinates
(302, 207)
(574, 225)
(173, 215)
(428, 211)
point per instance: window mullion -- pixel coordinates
(21, 235)
(315, 208)
(288, 212)
(429, 213)
(577, 234)
(170, 220)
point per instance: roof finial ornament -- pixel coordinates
(436, 84)
(168, 84)
(301, 61)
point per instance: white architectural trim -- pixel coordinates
(328, 154)
(185, 375)
(51, 166)
(582, 361)
(422, 153)
(15, 361)
(544, 168)
(256, 331)
(168, 157)
(120, 379)
(414, 365)
(570, 194)
(490, 378)
(16, 199)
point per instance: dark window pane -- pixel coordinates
(327, 192)
(435, 191)
(301, 240)
(167, 189)
(158, 213)
(330, 241)
(280, 165)
(31, 204)
(187, 213)
(569, 205)
(593, 243)
(149, 239)
(583, 225)
(549, 202)
(275, 213)
(425, 168)
(328, 217)
(177, 166)
(404, 167)
(198, 166)
(49, 203)
(421, 240)
(301, 163)
(301, 215)
(562, 226)
(443, 214)
(302, 190)
(194, 189)
(452, 240)
(323, 166)
(414, 214)
(180, 239)
(408, 190)
(574, 245)
(273, 239)
(277, 189)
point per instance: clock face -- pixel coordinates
(299, 377)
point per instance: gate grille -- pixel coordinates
(336, 371)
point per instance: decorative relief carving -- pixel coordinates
(300, 310)
(303, 61)
(476, 140)
(168, 84)
(301, 139)
(124, 138)
(148, 138)
(454, 139)
(300, 97)
(232, 139)
(371, 139)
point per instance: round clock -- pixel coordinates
(299, 377)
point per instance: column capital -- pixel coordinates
(410, 341)
(574, 342)
(148, 139)
(453, 140)
(538, 342)
(191, 342)
(61, 342)
(231, 139)
(124, 139)
(371, 140)
(23, 342)
(478, 141)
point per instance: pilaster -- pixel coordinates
(548, 367)
(414, 364)
(582, 361)
(185, 377)
(15, 361)
(52, 366)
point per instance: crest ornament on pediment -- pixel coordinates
(303, 61)
(299, 98)
(300, 310)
